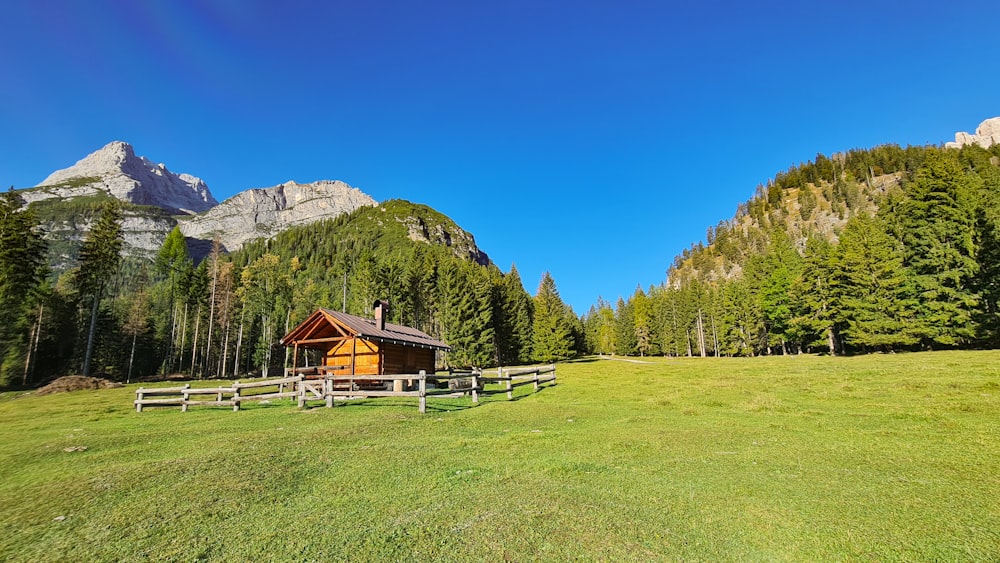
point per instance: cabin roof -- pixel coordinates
(327, 324)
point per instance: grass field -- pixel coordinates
(884, 457)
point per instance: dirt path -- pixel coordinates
(629, 360)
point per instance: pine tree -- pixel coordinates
(625, 341)
(599, 325)
(100, 258)
(512, 318)
(873, 288)
(265, 291)
(172, 264)
(938, 233)
(813, 296)
(22, 270)
(987, 280)
(642, 322)
(553, 339)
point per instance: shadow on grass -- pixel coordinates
(433, 404)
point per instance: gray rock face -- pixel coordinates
(116, 170)
(263, 212)
(142, 233)
(987, 135)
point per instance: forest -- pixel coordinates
(128, 318)
(873, 250)
(879, 250)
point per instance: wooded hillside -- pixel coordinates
(873, 250)
(224, 316)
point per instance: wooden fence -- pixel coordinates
(459, 384)
(231, 396)
(331, 387)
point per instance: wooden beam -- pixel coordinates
(321, 340)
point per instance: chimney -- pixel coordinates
(381, 311)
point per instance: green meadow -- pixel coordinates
(881, 457)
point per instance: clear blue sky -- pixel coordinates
(595, 140)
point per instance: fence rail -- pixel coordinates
(231, 396)
(342, 386)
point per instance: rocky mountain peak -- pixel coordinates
(263, 212)
(116, 170)
(987, 135)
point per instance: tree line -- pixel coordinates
(881, 250)
(126, 317)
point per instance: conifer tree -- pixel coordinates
(625, 341)
(873, 288)
(642, 322)
(22, 270)
(552, 338)
(100, 258)
(265, 291)
(172, 264)
(513, 320)
(600, 328)
(938, 233)
(813, 297)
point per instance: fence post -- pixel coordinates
(236, 396)
(510, 387)
(138, 400)
(475, 384)
(302, 393)
(328, 391)
(423, 391)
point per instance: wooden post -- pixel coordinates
(328, 391)
(536, 380)
(423, 391)
(475, 385)
(302, 393)
(510, 388)
(236, 396)
(354, 354)
(138, 400)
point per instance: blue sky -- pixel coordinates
(595, 140)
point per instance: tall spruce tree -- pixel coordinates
(173, 264)
(937, 227)
(812, 293)
(513, 320)
(987, 283)
(553, 339)
(100, 258)
(22, 270)
(874, 293)
(625, 341)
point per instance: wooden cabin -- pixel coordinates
(353, 345)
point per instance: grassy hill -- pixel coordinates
(884, 457)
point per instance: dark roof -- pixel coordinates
(364, 328)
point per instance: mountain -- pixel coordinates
(264, 212)
(987, 134)
(155, 200)
(116, 171)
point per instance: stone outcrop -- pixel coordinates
(264, 212)
(116, 170)
(462, 243)
(142, 233)
(987, 135)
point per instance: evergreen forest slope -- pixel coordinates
(879, 249)
(224, 315)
